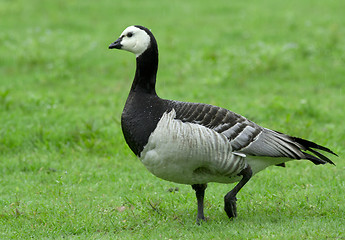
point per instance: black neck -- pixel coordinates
(145, 75)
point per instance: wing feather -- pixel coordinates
(246, 136)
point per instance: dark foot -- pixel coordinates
(230, 198)
(200, 220)
(230, 206)
(200, 193)
(200, 217)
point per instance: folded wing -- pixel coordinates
(249, 138)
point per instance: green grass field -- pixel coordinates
(65, 170)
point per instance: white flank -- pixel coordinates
(135, 40)
(258, 163)
(190, 153)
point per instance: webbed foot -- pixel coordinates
(230, 206)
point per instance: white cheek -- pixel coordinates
(136, 44)
(139, 45)
(128, 45)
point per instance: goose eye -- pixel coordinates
(129, 34)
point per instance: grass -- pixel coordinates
(65, 171)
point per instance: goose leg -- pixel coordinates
(230, 198)
(200, 193)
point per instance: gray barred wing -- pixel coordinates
(240, 131)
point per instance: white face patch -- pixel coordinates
(135, 40)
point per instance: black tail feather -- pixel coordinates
(309, 145)
(323, 157)
(314, 159)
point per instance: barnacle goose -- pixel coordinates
(194, 143)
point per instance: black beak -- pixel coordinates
(117, 44)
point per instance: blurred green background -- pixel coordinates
(65, 170)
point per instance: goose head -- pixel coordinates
(135, 39)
